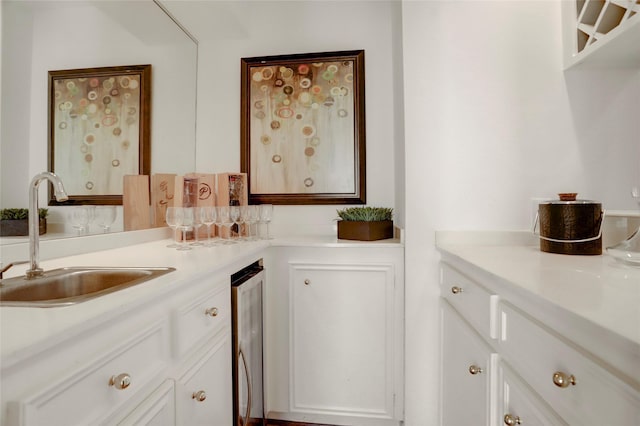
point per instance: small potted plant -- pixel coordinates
(15, 222)
(365, 223)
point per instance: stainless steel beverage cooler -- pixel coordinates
(246, 303)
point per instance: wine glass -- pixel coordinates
(224, 219)
(173, 217)
(253, 215)
(266, 214)
(208, 216)
(245, 226)
(185, 225)
(79, 217)
(105, 216)
(234, 215)
(197, 223)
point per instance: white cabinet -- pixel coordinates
(157, 410)
(333, 335)
(203, 392)
(517, 404)
(601, 33)
(145, 365)
(579, 389)
(543, 377)
(467, 372)
(90, 382)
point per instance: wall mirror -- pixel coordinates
(40, 36)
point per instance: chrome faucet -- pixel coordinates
(34, 234)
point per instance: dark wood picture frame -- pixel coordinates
(99, 130)
(302, 128)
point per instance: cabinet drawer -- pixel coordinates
(517, 402)
(158, 409)
(475, 303)
(201, 318)
(85, 396)
(467, 372)
(204, 390)
(598, 397)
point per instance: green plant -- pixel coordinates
(20, 214)
(366, 214)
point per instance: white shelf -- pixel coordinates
(602, 33)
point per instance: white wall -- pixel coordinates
(492, 121)
(15, 138)
(228, 31)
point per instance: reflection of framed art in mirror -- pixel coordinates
(99, 130)
(303, 128)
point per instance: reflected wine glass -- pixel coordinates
(173, 217)
(185, 225)
(105, 216)
(234, 215)
(79, 217)
(197, 223)
(245, 227)
(208, 216)
(266, 214)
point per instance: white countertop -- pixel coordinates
(21, 328)
(597, 289)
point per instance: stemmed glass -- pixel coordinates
(208, 216)
(224, 219)
(245, 227)
(105, 216)
(185, 225)
(173, 217)
(197, 223)
(79, 217)
(253, 215)
(234, 215)
(266, 214)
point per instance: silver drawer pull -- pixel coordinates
(474, 369)
(307, 281)
(212, 312)
(456, 290)
(511, 420)
(563, 380)
(199, 396)
(121, 381)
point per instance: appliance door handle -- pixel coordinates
(248, 377)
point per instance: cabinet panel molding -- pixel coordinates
(87, 389)
(337, 313)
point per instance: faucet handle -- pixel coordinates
(6, 268)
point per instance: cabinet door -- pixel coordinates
(342, 340)
(518, 404)
(159, 409)
(467, 372)
(203, 392)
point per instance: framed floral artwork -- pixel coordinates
(303, 128)
(99, 130)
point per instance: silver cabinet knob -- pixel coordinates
(212, 312)
(121, 381)
(511, 420)
(307, 281)
(474, 369)
(456, 290)
(199, 396)
(563, 380)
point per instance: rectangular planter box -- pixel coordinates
(365, 231)
(14, 228)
